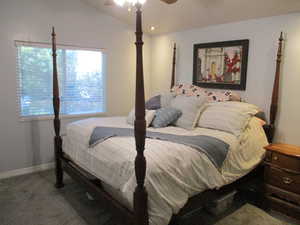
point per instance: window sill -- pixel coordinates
(62, 117)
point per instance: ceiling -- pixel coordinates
(187, 14)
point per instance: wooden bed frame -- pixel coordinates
(139, 216)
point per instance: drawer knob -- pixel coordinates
(275, 157)
(287, 180)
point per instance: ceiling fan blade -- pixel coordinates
(169, 1)
(109, 3)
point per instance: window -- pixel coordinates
(81, 75)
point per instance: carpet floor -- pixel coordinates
(250, 215)
(32, 200)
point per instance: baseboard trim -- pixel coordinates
(27, 170)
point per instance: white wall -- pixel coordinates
(24, 144)
(263, 35)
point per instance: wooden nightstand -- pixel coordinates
(282, 179)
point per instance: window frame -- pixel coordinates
(18, 43)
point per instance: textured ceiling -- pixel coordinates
(187, 14)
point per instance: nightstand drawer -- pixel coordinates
(282, 194)
(284, 207)
(282, 179)
(284, 161)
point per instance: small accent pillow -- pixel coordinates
(190, 108)
(148, 117)
(153, 103)
(231, 117)
(165, 116)
(261, 115)
(159, 101)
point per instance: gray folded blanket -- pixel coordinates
(215, 149)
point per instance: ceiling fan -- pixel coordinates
(112, 2)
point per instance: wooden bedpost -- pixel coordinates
(56, 121)
(140, 193)
(173, 67)
(274, 103)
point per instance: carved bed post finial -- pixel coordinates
(140, 193)
(56, 121)
(275, 94)
(173, 67)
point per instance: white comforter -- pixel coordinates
(174, 172)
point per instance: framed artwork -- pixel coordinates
(221, 65)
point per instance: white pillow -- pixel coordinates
(231, 117)
(165, 100)
(190, 106)
(149, 116)
(245, 107)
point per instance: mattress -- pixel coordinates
(175, 172)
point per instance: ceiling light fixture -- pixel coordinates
(130, 2)
(152, 28)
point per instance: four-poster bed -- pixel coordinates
(139, 213)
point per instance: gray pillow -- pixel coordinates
(165, 116)
(190, 106)
(159, 101)
(153, 103)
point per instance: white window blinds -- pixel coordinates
(81, 75)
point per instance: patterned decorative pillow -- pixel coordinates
(190, 106)
(148, 117)
(165, 116)
(187, 90)
(212, 95)
(159, 101)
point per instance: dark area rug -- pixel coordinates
(32, 200)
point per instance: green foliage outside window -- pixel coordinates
(81, 80)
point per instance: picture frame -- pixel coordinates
(221, 65)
